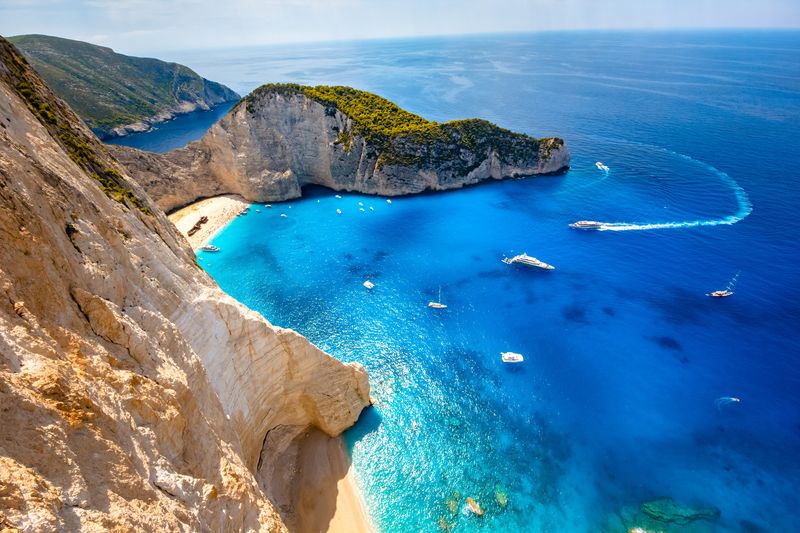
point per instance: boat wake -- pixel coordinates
(745, 207)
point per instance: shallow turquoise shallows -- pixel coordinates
(625, 356)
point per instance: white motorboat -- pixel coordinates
(586, 224)
(338, 211)
(512, 357)
(210, 248)
(601, 166)
(368, 284)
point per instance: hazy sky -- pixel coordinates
(139, 26)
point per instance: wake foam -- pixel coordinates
(745, 207)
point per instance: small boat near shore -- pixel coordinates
(526, 260)
(586, 224)
(209, 248)
(512, 357)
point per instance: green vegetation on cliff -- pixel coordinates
(108, 89)
(405, 138)
(65, 127)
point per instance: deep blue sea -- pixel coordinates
(625, 356)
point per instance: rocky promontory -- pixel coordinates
(282, 137)
(135, 395)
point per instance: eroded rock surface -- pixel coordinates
(134, 394)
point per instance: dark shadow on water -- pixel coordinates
(368, 422)
(575, 313)
(667, 342)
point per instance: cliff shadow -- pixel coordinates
(322, 497)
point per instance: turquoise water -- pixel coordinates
(624, 355)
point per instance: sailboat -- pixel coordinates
(727, 291)
(437, 304)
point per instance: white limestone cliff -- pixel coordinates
(272, 144)
(134, 394)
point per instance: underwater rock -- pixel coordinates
(667, 510)
(500, 496)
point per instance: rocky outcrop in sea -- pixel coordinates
(283, 137)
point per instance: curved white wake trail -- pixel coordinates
(745, 207)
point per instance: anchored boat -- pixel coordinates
(586, 224)
(210, 248)
(368, 284)
(512, 357)
(525, 259)
(437, 304)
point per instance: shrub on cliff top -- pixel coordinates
(398, 134)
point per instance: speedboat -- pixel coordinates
(368, 284)
(727, 291)
(338, 211)
(210, 248)
(720, 294)
(361, 209)
(283, 215)
(586, 224)
(371, 208)
(339, 196)
(601, 166)
(511, 357)
(388, 201)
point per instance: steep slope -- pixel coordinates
(134, 394)
(116, 94)
(282, 137)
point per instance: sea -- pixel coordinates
(635, 384)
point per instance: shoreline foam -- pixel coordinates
(220, 210)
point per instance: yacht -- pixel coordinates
(512, 357)
(210, 248)
(525, 259)
(586, 224)
(368, 284)
(601, 166)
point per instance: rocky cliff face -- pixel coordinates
(134, 394)
(283, 137)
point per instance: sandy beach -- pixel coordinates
(327, 497)
(220, 210)
(324, 493)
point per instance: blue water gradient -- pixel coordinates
(624, 354)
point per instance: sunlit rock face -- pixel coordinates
(134, 393)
